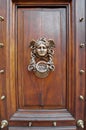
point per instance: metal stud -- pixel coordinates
(54, 123)
(1, 71)
(30, 124)
(1, 18)
(82, 71)
(1, 45)
(82, 45)
(81, 97)
(3, 97)
(81, 19)
(80, 123)
(4, 123)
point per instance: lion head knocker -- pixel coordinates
(41, 62)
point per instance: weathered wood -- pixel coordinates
(42, 128)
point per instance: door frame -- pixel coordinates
(13, 47)
(10, 74)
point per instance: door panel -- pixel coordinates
(43, 100)
(45, 92)
(53, 102)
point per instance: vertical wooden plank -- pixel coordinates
(10, 59)
(3, 13)
(7, 79)
(85, 65)
(80, 57)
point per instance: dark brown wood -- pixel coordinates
(41, 123)
(80, 59)
(45, 92)
(3, 104)
(55, 98)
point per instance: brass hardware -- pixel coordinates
(1, 18)
(41, 62)
(82, 45)
(54, 123)
(82, 71)
(81, 19)
(1, 71)
(4, 123)
(80, 123)
(81, 97)
(3, 97)
(1, 45)
(30, 124)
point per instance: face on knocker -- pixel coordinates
(41, 49)
(41, 62)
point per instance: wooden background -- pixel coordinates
(8, 57)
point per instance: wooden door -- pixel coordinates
(55, 101)
(34, 92)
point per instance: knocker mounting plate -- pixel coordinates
(41, 62)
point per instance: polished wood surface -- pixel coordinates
(3, 103)
(55, 98)
(33, 91)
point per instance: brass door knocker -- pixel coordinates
(41, 62)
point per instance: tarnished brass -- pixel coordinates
(81, 97)
(3, 97)
(1, 18)
(30, 124)
(54, 123)
(81, 19)
(4, 123)
(82, 45)
(41, 62)
(80, 123)
(82, 71)
(1, 71)
(1, 45)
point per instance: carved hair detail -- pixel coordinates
(41, 62)
(32, 44)
(50, 43)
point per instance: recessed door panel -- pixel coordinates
(43, 58)
(35, 23)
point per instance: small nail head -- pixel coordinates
(54, 123)
(81, 19)
(81, 97)
(82, 71)
(1, 45)
(30, 124)
(82, 45)
(3, 97)
(1, 71)
(1, 18)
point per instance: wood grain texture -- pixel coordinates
(42, 128)
(42, 118)
(80, 59)
(11, 83)
(42, 23)
(3, 103)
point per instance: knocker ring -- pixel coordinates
(41, 62)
